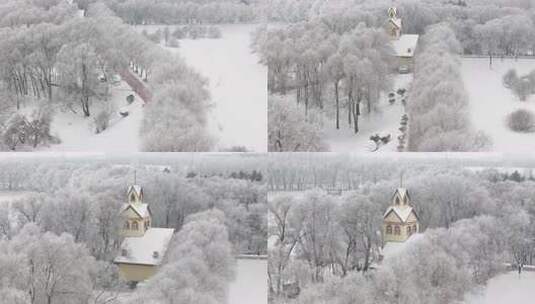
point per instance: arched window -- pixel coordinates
(135, 226)
(397, 231)
(397, 200)
(409, 230)
(414, 228)
(389, 229)
(126, 225)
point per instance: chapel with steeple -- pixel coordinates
(135, 214)
(394, 23)
(400, 220)
(404, 45)
(144, 247)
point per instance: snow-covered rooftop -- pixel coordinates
(141, 209)
(403, 193)
(402, 211)
(141, 250)
(396, 22)
(136, 188)
(405, 45)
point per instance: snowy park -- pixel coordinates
(373, 217)
(88, 80)
(133, 229)
(333, 74)
(237, 117)
(490, 101)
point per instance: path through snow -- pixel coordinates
(386, 120)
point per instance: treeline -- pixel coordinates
(494, 27)
(438, 110)
(254, 176)
(85, 205)
(183, 12)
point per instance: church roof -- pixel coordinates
(396, 22)
(141, 209)
(403, 212)
(403, 193)
(136, 188)
(405, 45)
(140, 250)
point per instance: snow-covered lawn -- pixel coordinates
(385, 121)
(507, 288)
(238, 85)
(77, 134)
(491, 102)
(237, 81)
(250, 286)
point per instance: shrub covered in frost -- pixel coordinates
(102, 121)
(521, 121)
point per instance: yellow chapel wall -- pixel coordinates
(393, 220)
(136, 273)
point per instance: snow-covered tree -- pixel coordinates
(291, 130)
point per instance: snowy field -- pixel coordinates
(250, 286)
(507, 288)
(77, 133)
(238, 85)
(491, 102)
(386, 120)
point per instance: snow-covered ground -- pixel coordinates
(250, 286)
(491, 102)
(507, 288)
(238, 84)
(385, 121)
(77, 134)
